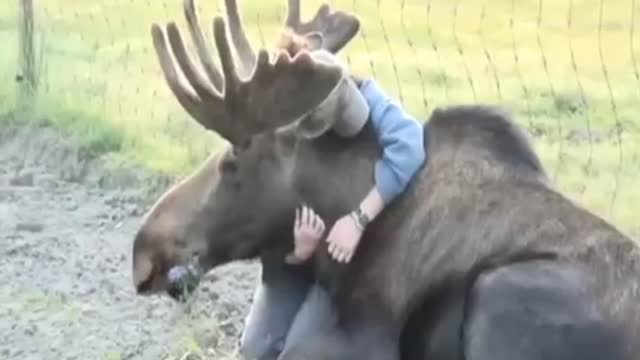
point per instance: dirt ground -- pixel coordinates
(65, 288)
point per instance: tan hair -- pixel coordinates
(292, 42)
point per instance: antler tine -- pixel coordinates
(198, 82)
(226, 58)
(293, 16)
(206, 59)
(278, 93)
(185, 95)
(239, 38)
(337, 28)
(198, 97)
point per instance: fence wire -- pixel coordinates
(568, 70)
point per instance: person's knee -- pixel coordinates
(262, 347)
(269, 319)
(265, 329)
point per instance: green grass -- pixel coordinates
(101, 82)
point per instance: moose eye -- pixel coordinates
(229, 170)
(243, 145)
(229, 166)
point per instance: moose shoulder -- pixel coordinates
(479, 225)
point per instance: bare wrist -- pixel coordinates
(372, 204)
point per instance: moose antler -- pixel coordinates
(336, 29)
(272, 95)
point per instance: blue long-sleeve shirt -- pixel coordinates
(401, 137)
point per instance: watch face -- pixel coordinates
(362, 217)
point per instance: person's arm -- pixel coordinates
(402, 139)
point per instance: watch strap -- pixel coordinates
(361, 218)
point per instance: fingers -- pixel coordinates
(298, 219)
(307, 218)
(343, 240)
(305, 215)
(320, 225)
(332, 249)
(339, 254)
(313, 219)
(348, 257)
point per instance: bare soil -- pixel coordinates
(66, 230)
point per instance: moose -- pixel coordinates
(481, 258)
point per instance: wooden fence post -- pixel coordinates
(27, 78)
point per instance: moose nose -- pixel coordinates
(144, 287)
(182, 282)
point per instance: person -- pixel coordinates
(287, 305)
(401, 138)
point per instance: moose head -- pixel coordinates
(242, 201)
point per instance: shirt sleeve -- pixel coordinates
(401, 137)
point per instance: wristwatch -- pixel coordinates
(362, 219)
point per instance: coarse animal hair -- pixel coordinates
(482, 197)
(292, 43)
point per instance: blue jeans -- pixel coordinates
(287, 307)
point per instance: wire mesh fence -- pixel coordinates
(568, 70)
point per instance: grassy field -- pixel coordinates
(566, 67)
(101, 83)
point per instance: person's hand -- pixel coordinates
(343, 238)
(307, 231)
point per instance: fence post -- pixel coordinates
(27, 78)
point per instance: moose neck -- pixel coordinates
(333, 173)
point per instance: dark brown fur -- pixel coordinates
(483, 197)
(482, 200)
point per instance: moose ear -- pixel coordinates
(315, 39)
(344, 111)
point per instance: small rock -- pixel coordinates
(136, 211)
(133, 199)
(30, 227)
(47, 182)
(18, 354)
(25, 179)
(71, 207)
(6, 195)
(30, 331)
(112, 201)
